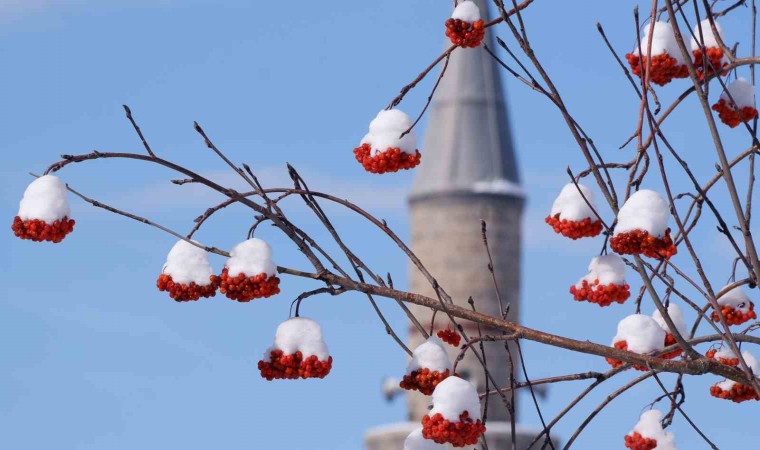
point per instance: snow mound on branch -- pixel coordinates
(187, 264)
(415, 441)
(641, 333)
(385, 131)
(735, 298)
(663, 41)
(299, 334)
(707, 35)
(644, 210)
(752, 363)
(251, 257)
(570, 204)
(431, 355)
(45, 199)
(608, 269)
(676, 315)
(649, 426)
(453, 396)
(466, 11)
(742, 92)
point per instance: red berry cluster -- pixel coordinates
(715, 61)
(423, 380)
(623, 345)
(458, 434)
(727, 361)
(186, 292)
(391, 160)
(38, 231)
(641, 242)
(636, 441)
(737, 394)
(245, 289)
(293, 367)
(730, 116)
(734, 316)
(663, 68)
(465, 34)
(450, 337)
(602, 295)
(575, 229)
(671, 340)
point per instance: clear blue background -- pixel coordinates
(94, 357)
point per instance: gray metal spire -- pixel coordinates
(468, 145)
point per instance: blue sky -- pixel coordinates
(94, 357)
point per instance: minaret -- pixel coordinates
(468, 173)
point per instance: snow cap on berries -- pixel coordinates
(741, 91)
(644, 210)
(676, 315)
(735, 298)
(466, 11)
(608, 269)
(752, 363)
(641, 333)
(649, 426)
(570, 204)
(663, 41)
(430, 355)
(707, 35)
(385, 131)
(453, 396)
(727, 353)
(45, 199)
(415, 441)
(299, 334)
(187, 264)
(251, 257)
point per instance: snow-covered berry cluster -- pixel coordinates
(299, 351)
(383, 149)
(640, 334)
(676, 316)
(450, 337)
(187, 274)
(249, 272)
(455, 415)
(736, 307)
(605, 282)
(736, 103)
(664, 58)
(465, 28)
(43, 213)
(429, 366)
(738, 392)
(716, 60)
(724, 356)
(642, 227)
(648, 434)
(571, 215)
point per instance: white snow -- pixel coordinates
(187, 264)
(415, 441)
(498, 186)
(676, 315)
(735, 298)
(453, 396)
(570, 204)
(466, 11)
(608, 269)
(300, 334)
(385, 129)
(663, 41)
(742, 92)
(752, 363)
(707, 35)
(44, 199)
(726, 353)
(644, 210)
(431, 355)
(649, 426)
(251, 257)
(641, 333)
